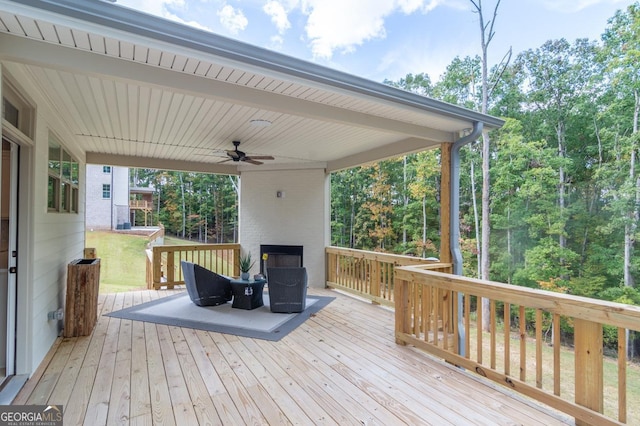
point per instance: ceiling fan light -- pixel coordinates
(260, 123)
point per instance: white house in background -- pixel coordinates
(107, 197)
(92, 82)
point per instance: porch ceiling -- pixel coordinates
(136, 90)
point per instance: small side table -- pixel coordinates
(247, 294)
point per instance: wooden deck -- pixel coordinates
(341, 366)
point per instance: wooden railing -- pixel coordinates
(156, 234)
(140, 204)
(163, 265)
(438, 313)
(370, 274)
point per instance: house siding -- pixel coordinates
(297, 218)
(53, 239)
(107, 213)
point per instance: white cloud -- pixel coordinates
(343, 25)
(278, 15)
(232, 19)
(571, 6)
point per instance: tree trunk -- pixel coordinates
(476, 219)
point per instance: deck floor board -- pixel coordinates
(342, 366)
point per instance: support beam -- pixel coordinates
(445, 203)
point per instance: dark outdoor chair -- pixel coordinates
(205, 287)
(287, 289)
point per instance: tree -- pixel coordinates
(486, 36)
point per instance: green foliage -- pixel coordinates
(245, 263)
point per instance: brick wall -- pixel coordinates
(297, 217)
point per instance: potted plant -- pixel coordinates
(245, 264)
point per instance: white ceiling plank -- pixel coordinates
(140, 53)
(166, 60)
(123, 109)
(97, 44)
(81, 39)
(30, 28)
(65, 36)
(109, 94)
(179, 61)
(191, 65)
(126, 50)
(112, 47)
(202, 68)
(48, 32)
(154, 56)
(152, 113)
(224, 73)
(96, 90)
(144, 95)
(11, 23)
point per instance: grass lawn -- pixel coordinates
(122, 260)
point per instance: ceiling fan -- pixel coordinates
(237, 155)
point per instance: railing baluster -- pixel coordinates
(479, 329)
(467, 325)
(492, 328)
(556, 354)
(523, 345)
(538, 348)
(507, 339)
(622, 375)
(446, 305)
(454, 319)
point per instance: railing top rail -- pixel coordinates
(602, 311)
(382, 257)
(195, 247)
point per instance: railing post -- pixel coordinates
(157, 267)
(374, 279)
(403, 315)
(588, 365)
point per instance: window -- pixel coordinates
(10, 112)
(106, 169)
(16, 109)
(63, 179)
(106, 191)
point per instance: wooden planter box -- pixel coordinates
(81, 308)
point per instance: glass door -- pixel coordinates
(8, 259)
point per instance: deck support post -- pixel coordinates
(403, 314)
(445, 202)
(588, 365)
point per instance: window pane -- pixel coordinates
(106, 169)
(75, 172)
(10, 112)
(66, 165)
(74, 200)
(65, 197)
(54, 157)
(52, 200)
(106, 191)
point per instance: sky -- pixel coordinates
(388, 39)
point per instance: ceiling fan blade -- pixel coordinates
(252, 161)
(233, 154)
(262, 157)
(225, 160)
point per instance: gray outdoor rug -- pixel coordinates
(259, 323)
